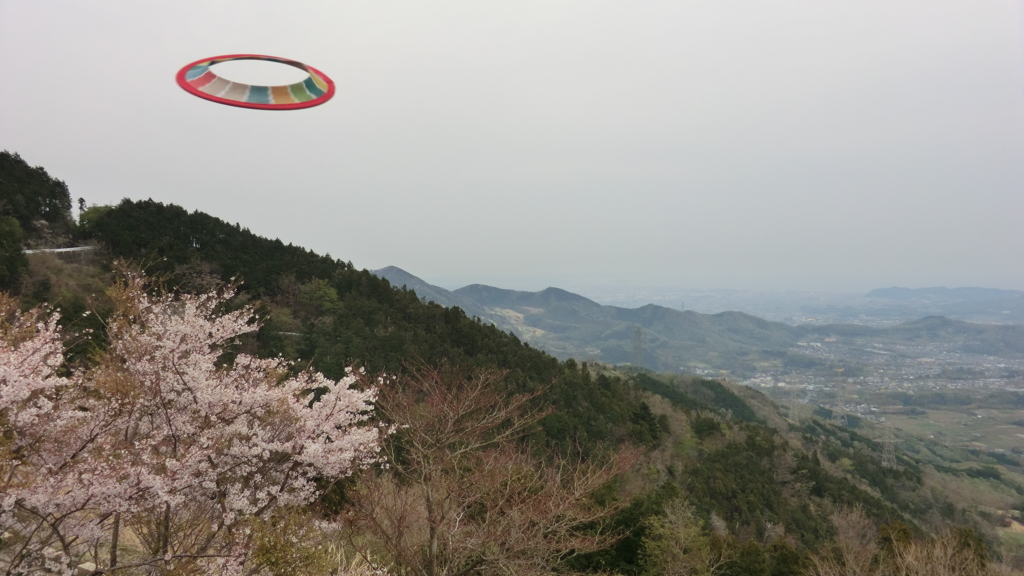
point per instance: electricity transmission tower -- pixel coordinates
(638, 347)
(796, 408)
(888, 442)
(839, 413)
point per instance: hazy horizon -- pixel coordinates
(791, 145)
(584, 289)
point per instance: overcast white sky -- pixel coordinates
(737, 144)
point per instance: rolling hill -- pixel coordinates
(568, 325)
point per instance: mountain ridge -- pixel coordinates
(959, 293)
(569, 325)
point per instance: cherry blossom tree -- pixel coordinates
(161, 439)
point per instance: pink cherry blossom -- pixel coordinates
(159, 437)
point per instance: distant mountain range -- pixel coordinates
(986, 305)
(568, 325)
(944, 294)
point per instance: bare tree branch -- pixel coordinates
(463, 495)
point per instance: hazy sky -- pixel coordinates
(738, 144)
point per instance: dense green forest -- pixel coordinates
(759, 492)
(34, 209)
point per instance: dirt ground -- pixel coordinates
(1015, 527)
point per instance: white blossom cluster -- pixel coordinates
(161, 434)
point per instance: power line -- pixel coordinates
(838, 412)
(888, 442)
(797, 407)
(638, 347)
(794, 410)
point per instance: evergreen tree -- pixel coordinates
(30, 195)
(12, 261)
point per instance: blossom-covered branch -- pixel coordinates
(160, 436)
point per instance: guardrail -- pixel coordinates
(75, 249)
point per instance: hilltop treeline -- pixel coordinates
(328, 311)
(35, 209)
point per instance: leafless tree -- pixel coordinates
(940, 556)
(463, 495)
(855, 550)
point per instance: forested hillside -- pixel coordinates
(35, 210)
(722, 482)
(326, 310)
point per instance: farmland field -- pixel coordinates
(983, 429)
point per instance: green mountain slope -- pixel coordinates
(401, 279)
(753, 474)
(40, 203)
(35, 212)
(569, 325)
(326, 310)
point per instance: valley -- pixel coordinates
(739, 345)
